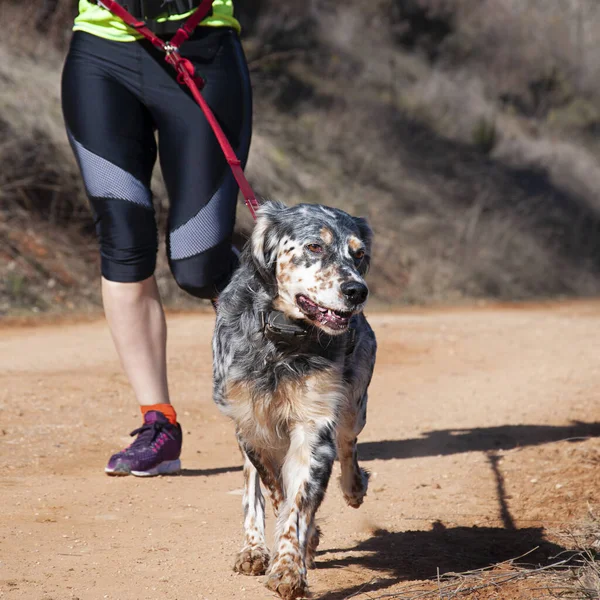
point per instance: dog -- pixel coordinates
(293, 356)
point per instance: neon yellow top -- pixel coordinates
(98, 21)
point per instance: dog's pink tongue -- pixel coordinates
(309, 307)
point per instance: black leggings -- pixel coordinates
(115, 95)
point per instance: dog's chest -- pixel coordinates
(265, 417)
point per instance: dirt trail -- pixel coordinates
(468, 415)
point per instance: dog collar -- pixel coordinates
(275, 322)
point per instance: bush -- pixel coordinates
(485, 135)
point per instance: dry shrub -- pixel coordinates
(34, 178)
(39, 172)
(535, 54)
(34, 24)
(345, 115)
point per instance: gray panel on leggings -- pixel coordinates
(103, 179)
(207, 228)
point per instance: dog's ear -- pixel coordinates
(264, 239)
(366, 235)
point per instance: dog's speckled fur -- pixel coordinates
(295, 402)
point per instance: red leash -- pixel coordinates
(186, 75)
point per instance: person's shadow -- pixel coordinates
(418, 555)
(483, 439)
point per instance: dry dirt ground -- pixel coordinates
(480, 440)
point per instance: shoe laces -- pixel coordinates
(148, 434)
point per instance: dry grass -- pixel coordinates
(582, 580)
(505, 578)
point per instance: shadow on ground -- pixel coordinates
(482, 439)
(417, 555)
(208, 472)
(421, 555)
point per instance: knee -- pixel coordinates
(206, 275)
(197, 288)
(128, 240)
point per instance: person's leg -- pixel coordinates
(112, 135)
(201, 187)
(137, 323)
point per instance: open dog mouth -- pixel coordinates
(334, 319)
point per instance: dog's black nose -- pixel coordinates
(355, 291)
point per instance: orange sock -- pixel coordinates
(165, 409)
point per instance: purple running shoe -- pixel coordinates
(155, 451)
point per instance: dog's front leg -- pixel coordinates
(306, 471)
(354, 479)
(253, 558)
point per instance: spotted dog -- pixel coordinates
(293, 358)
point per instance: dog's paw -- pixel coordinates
(358, 489)
(253, 560)
(311, 547)
(287, 580)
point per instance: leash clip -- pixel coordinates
(170, 48)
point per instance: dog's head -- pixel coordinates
(315, 258)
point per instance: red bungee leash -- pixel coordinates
(186, 75)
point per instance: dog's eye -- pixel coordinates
(314, 248)
(359, 254)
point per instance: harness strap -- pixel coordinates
(140, 26)
(186, 75)
(187, 28)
